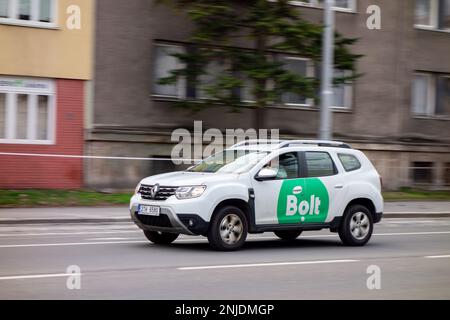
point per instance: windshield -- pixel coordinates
(230, 161)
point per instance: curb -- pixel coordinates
(122, 220)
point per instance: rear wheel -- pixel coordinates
(160, 237)
(288, 235)
(357, 226)
(228, 229)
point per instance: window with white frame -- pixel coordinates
(432, 14)
(339, 5)
(303, 67)
(424, 13)
(27, 110)
(421, 94)
(430, 95)
(33, 13)
(164, 63)
(342, 93)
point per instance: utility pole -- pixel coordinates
(326, 119)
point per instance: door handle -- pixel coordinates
(338, 186)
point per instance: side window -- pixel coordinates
(286, 165)
(349, 162)
(319, 164)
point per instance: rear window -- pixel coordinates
(319, 164)
(349, 162)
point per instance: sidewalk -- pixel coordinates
(64, 215)
(436, 209)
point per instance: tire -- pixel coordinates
(228, 229)
(357, 226)
(288, 235)
(160, 237)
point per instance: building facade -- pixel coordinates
(45, 71)
(398, 112)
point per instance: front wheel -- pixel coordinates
(228, 229)
(160, 237)
(288, 235)
(357, 226)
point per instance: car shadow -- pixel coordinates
(265, 244)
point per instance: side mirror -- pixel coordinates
(266, 174)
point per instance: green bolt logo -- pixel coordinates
(302, 201)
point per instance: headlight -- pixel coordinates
(189, 192)
(137, 188)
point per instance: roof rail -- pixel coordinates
(319, 143)
(287, 143)
(257, 141)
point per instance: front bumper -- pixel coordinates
(169, 221)
(377, 217)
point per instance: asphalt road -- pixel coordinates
(117, 262)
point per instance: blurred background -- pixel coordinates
(85, 114)
(80, 77)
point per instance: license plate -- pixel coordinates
(149, 210)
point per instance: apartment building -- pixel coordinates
(45, 69)
(398, 112)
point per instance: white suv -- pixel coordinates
(256, 186)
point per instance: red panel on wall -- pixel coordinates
(21, 172)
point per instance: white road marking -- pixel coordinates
(412, 233)
(68, 233)
(436, 221)
(418, 212)
(68, 244)
(335, 235)
(272, 264)
(69, 218)
(107, 239)
(37, 276)
(437, 257)
(196, 240)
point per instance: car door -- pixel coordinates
(324, 187)
(268, 202)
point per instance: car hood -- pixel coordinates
(186, 178)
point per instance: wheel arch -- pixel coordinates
(236, 202)
(366, 202)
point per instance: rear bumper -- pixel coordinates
(377, 217)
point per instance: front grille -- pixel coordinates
(160, 221)
(163, 193)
